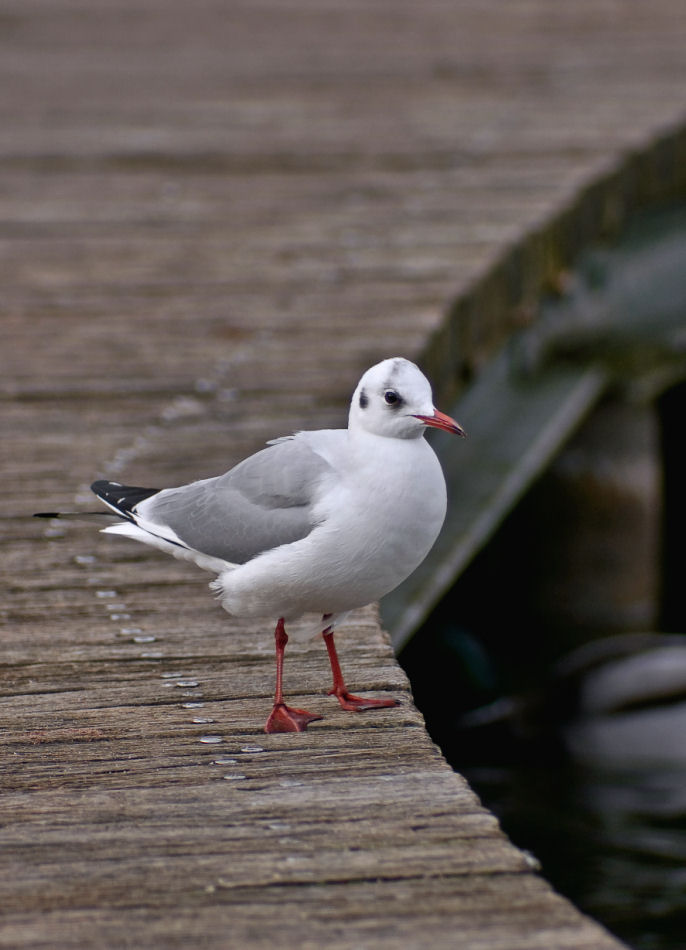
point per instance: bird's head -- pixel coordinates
(394, 399)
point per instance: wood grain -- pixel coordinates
(213, 217)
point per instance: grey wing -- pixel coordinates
(263, 502)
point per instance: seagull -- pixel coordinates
(320, 521)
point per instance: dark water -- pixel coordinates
(600, 801)
(612, 841)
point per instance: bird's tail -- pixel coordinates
(108, 517)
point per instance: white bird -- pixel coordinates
(321, 521)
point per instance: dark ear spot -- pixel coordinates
(364, 400)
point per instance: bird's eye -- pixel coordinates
(391, 397)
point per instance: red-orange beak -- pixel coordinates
(439, 420)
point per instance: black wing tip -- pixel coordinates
(101, 486)
(46, 514)
(123, 498)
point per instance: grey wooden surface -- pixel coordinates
(213, 217)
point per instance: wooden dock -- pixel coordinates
(213, 217)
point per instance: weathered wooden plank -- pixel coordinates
(380, 913)
(212, 220)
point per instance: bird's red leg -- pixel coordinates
(340, 690)
(285, 718)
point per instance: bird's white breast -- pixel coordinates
(376, 521)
